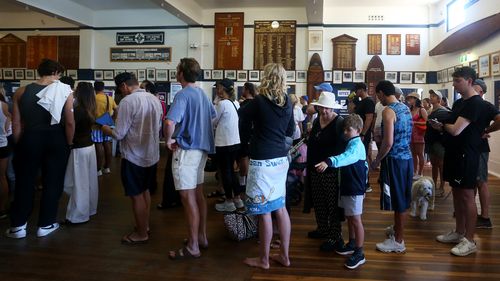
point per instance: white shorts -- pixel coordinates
(188, 168)
(353, 205)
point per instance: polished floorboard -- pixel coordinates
(93, 251)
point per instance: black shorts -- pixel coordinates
(5, 151)
(460, 168)
(136, 179)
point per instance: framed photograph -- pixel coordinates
(217, 74)
(394, 44)
(110, 74)
(253, 75)
(242, 75)
(347, 76)
(98, 75)
(495, 64)
(315, 40)
(141, 74)
(374, 44)
(474, 65)
(328, 76)
(30, 74)
(413, 44)
(358, 76)
(118, 71)
(230, 74)
(207, 74)
(391, 76)
(484, 66)
(439, 77)
(450, 74)
(444, 76)
(162, 75)
(8, 74)
(172, 73)
(151, 74)
(290, 75)
(73, 73)
(19, 74)
(405, 77)
(301, 76)
(420, 77)
(337, 77)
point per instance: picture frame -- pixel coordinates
(346, 76)
(162, 75)
(438, 76)
(484, 66)
(207, 74)
(133, 71)
(73, 73)
(19, 74)
(110, 75)
(444, 75)
(301, 76)
(337, 77)
(118, 71)
(151, 74)
(393, 44)
(98, 75)
(391, 76)
(172, 75)
(290, 75)
(8, 74)
(495, 64)
(474, 65)
(217, 74)
(358, 76)
(253, 75)
(420, 77)
(30, 74)
(315, 40)
(405, 77)
(242, 75)
(328, 76)
(141, 74)
(230, 74)
(450, 74)
(374, 44)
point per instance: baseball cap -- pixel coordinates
(398, 91)
(480, 83)
(325, 86)
(436, 92)
(306, 98)
(228, 84)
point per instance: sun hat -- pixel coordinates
(326, 99)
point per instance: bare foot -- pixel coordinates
(281, 260)
(256, 262)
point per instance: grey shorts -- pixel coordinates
(353, 205)
(482, 167)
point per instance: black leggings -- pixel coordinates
(39, 150)
(226, 156)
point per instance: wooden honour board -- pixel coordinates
(12, 51)
(40, 47)
(274, 44)
(228, 40)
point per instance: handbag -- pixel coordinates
(240, 226)
(106, 118)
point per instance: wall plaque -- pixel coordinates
(394, 44)
(68, 51)
(12, 51)
(38, 48)
(140, 38)
(344, 52)
(413, 44)
(163, 54)
(274, 43)
(228, 40)
(374, 44)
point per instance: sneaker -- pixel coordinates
(368, 189)
(391, 245)
(238, 203)
(464, 248)
(389, 231)
(16, 232)
(315, 234)
(357, 259)
(225, 207)
(99, 173)
(106, 171)
(46, 230)
(450, 237)
(346, 249)
(483, 223)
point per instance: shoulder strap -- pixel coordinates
(107, 103)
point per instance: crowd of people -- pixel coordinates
(63, 136)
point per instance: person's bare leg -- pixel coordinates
(414, 157)
(470, 213)
(358, 230)
(284, 227)
(99, 151)
(147, 201)
(141, 217)
(265, 236)
(484, 198)
(202, 208)
(458, 203)
(421, 158)
(108, 147)
(188, 198)
(435, 169)
(399, 224)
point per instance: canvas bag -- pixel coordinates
(240, 226)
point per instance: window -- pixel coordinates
(455, 12)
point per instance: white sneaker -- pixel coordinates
(106, 171)
(46, 230)
(238, 203)
(391, 245)
(16, 232)
(450, 237)
(99, 173)
(225, 207)
(464, 248)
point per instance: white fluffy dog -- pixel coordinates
(422, 195)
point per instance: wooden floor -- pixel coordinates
(93, 251)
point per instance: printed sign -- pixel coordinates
(140, 38)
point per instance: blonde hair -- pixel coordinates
(354, 121)
(293, 99)
(273, 83)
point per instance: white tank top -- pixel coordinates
(3, 132)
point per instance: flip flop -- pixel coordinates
(182, 254)
(202, 246)
(129, 241)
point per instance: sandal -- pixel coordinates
(183, 254)
(127, 240)
(202, 246)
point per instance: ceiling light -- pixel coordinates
(275, 24)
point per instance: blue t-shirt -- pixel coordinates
(193, 112)
(402, 131)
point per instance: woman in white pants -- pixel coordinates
(80, 182)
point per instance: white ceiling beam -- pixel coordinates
(63, 9)
(314, 10)
(187, 10)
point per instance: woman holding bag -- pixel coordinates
(419, 117)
